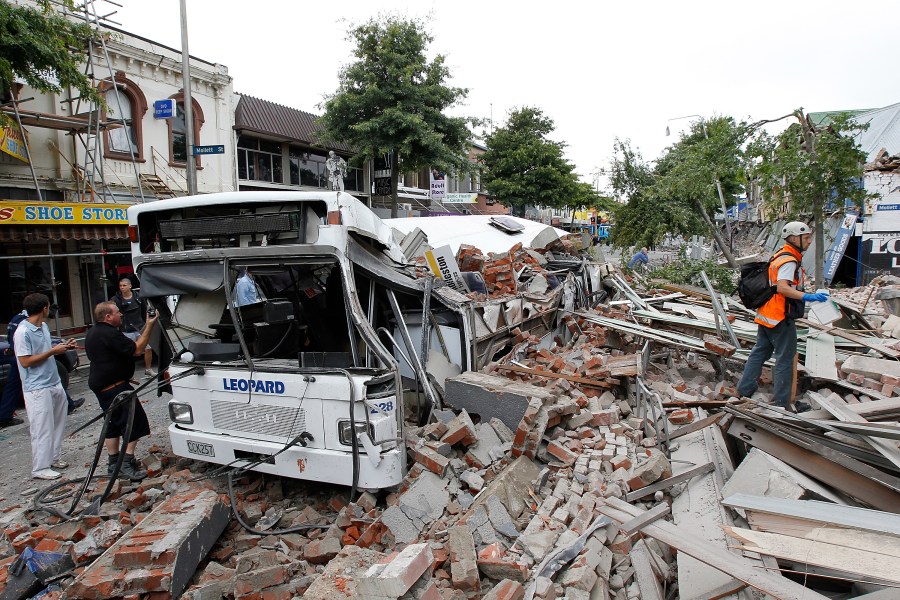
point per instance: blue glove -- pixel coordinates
(816, 297)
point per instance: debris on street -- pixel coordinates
(608, 457)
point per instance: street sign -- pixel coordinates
(382, 186)
(201, 150)
(164, 109)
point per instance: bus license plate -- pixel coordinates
(200, 449)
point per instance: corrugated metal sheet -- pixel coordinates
(282, 122)
(883, 132)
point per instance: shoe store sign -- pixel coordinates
(14, 212)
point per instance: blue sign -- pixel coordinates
(881, 207)
(841, 239)
(201, 150)
(164, 109)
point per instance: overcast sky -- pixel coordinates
(600, 70)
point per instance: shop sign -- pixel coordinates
(164, 109)
(13, 212)
(12, 142)
(457, 198)
(880, 255)
(438, 184)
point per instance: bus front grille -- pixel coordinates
(280, 421)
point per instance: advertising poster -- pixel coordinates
(834, 255)
(442, 263)
(12, 142)
(438, 184)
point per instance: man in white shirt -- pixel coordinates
(45, 398)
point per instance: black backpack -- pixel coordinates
(753, 287)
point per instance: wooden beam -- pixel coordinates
(552, 375)
(646, 579)
(637, 523)
(841, 333)
(666, 483)
(818, 512)
(821, 554)
(695, 426)
(725, 590)
(840, 411)
(689, 543)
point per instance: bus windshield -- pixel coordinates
(266, 311)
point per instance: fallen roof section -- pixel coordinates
(477, 230)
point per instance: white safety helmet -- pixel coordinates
(794, 228)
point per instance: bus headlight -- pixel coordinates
(344, 431)
(181, 413)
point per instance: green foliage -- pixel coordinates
(44, 49)
(646, 218)
(811, 167)
(685, 271)
(689, 170)
(523, 167)
(391, 98)
(679, 193)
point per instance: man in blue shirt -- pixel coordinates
(245, 290)
(45, 398)
(639, 257)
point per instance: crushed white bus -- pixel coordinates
(304, 375)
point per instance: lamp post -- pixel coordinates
(718, 183)
(191, 165)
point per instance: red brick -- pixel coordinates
(430, 459)
(260, 579)
(460, 430)
(855, 378)
(682, 416)
(561, 453)
(132, 557)
(506, 590)
(718, 346)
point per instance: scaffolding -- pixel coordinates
(85, 123)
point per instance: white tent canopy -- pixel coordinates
(476, 231)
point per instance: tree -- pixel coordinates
(391, 99)
(707, 157)
(805, 167)
(522, 167)
(645, 218)
(44, 49)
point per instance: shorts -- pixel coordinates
(134, 335)
(118, 420)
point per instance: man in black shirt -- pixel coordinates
(112, 357)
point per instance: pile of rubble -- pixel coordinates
(610, 459)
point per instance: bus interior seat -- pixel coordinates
(326, 359)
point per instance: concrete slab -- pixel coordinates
(510, 487)
(491, 396)
(425, 500)
(869, 366)
(697, 509)
(340, 579)
(761, 474)
(161, 553)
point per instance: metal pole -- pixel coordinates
(188, 107)
(53, 287)
(721, 196)
(37, 187)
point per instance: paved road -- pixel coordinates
(78, 450)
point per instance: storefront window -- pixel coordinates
(32, 275)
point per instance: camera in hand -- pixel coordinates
(151, 312)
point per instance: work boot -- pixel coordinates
(130, 468)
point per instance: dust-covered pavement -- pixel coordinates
(16, 484)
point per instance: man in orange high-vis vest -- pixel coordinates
(776, 331)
